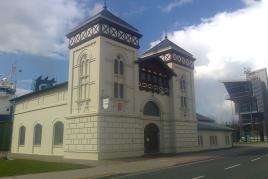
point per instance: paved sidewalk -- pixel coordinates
(120, 167)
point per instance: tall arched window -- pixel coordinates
(84, 71)
(121, 67)
(118, 65)
(182, 83)
(58, 133)
(151, 109)
(115, 66)
(37, 134)
(22, 132)
(118, 71)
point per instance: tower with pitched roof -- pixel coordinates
(101, 86)
(179, 125)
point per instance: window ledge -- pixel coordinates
(37, 145)
(84, 100)
(119, 99)
(57, 145)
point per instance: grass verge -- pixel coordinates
(23, 166)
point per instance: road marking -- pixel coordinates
(198, 177)
(197, 162)
(255, 159)
(227, 168)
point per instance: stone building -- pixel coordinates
(115, 104)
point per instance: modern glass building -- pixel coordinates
(250, 100)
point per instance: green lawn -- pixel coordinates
(22, 166)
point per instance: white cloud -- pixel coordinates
(96, 8)
(250, 2)
(39, 27)
(223, 45)
(136, 11)
(169, 7)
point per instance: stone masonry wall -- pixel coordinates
(81, 137)
(120, 136)
(186, 136)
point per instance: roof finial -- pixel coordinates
(105, 4)
(166, 36)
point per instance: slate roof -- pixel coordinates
(40, 91)
(106, 14)
(202, 118)
(167, 44)
(212, 126)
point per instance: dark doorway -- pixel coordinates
(151, 139)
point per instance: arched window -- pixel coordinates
(118, 70)
(118, 66)
(115, 66)
(22, 135)
(58, 133)
(151, 109)
(84, 78)
(121, 67)
(183, 83)
(37, 134)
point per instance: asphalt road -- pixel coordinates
(247, 165)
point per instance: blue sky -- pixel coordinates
(33, 35)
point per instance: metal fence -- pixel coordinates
(5, 135)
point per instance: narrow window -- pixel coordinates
(143, 76)
(211, 140)
(184, 84)
(116, 90)
(200, 140)
(115, 66)
(149, 77)
(58, 133)
(22, 135)
(121, 67)
(154, 79)
(160, 82)
(185, 102)
(37, 134)
(227, 140)
(121, 91)
(82, 68)
(182, 102)
(86, 68)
